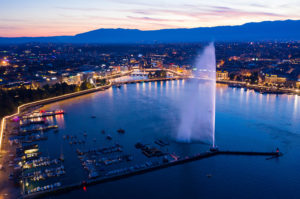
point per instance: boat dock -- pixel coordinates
(42, 114)
(148, 167)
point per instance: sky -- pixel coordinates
(69, 17)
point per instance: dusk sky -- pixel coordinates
(69, 17)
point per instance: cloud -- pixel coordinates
(258, 5)
(217, 10)
(9, 28)
(211, 11)
(154, 19)
(79, 9)
(12, 20)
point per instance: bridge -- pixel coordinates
(146, 71)
(119, 83)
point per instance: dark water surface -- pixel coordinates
(245, 120)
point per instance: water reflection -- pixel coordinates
(295, 105)
(262, 122)
(60, 120)
(125, 88)
(110, 92)
(144, 87)
(167, 86)
(149, 85)
(247, 96)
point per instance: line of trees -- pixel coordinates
(10, 100)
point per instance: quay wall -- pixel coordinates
(71, 187)
(23, 107)
(62, 97)
(260, 88)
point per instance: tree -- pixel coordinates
(254, 78)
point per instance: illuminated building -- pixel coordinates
(222, 75)
(73, 79)
(274, 79)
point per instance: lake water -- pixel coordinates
(245, 120)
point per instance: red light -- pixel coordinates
(84, 188)
(59, 112)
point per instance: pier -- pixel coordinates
(148, 80)
(253, 153)
(154, 166)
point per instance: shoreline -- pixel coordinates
(5, 129)
(71, 95)
(260, 89)
(23, 107)
(237, 84)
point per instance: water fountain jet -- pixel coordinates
(197, 119)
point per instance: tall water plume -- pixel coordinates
(197, 119)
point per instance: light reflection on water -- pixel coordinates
(245, 120)
(60, 120)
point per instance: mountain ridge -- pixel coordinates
(286, 30)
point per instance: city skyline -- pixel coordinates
(53, 18)
(149, 99)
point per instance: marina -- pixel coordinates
(108, 153)
(31, 168)
(41, 114)
(140, 169)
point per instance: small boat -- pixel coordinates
(121, 131)
(118, 85)
(93, 174)
(85, 134)
(93, 116)
(139, 145)
(62, 158)
(108, 137)
(208, 175)
(161, 143)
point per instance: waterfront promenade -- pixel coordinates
(261, 88)
(23, 107)
(6, 150)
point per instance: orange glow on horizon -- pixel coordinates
(58, 18)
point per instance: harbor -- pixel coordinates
(39, 175)
(95, 153)
(140, 169)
